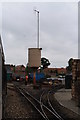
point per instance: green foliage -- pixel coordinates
(69, 67)
(70, 62)
(14, 69)
(45, 62)
(28, 70)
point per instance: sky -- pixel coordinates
(58, 31)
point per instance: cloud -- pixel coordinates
(58, 31)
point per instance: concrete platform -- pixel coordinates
(63, 96)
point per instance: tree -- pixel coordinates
(44, 62)
(70, 63)
(69, 67)
(28, 69)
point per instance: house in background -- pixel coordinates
(53, 72)
(14, 71)
(18, 70)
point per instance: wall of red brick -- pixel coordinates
(76, 80)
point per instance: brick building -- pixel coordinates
(76, 80)
(14, 71)
(54, 71)
(19, 70)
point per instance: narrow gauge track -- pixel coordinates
(20, 108)
(46, 113)
(49, 106)
(32, 101)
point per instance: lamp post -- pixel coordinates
(37, 28)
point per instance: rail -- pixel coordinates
(44, 111)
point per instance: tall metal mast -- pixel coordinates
(37, 28)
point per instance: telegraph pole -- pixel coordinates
(37, 27)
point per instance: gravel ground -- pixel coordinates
(64, 112)
(15, 107)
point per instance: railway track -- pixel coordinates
(38, 104)
(46, 112)
(49, 106)
(33, 101)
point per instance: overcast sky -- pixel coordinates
(58, 31)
